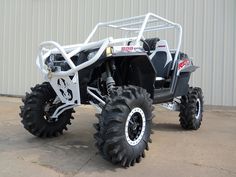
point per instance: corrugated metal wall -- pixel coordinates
(209, 36)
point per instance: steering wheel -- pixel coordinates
(146, 46)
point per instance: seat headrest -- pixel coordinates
(151, 42)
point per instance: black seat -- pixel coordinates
(150, 43)
(159, 62)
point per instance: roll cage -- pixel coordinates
(66, 83)
(136, 26)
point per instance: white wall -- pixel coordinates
(209, 36)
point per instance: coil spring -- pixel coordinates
(110, 85)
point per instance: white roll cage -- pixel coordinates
(136, 26)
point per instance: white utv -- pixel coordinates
(121, 77)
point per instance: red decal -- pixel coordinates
(126, 49)
(183, 63)
(161, 46)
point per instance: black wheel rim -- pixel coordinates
(135, 126)
(49, 109)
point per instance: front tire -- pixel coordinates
(37, 109)
(124, 127)
(191, 109)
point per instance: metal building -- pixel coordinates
(209, 37)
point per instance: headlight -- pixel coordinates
(50, 62)
(91, 55)
(56, 63)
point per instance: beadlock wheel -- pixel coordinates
(135, 126)
(191, 109)
(124, 127)
(37, 109)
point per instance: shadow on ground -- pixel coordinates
(66, 154)
(69, 153)
(74, 150)
(167, 127)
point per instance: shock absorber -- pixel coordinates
(110, 81)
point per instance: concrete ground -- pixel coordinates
(208, 152)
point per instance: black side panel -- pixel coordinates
(182, 84)
(129, 70)
(135, 70)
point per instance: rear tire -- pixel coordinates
(191, 109)
(34, 117)
(124, 127)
